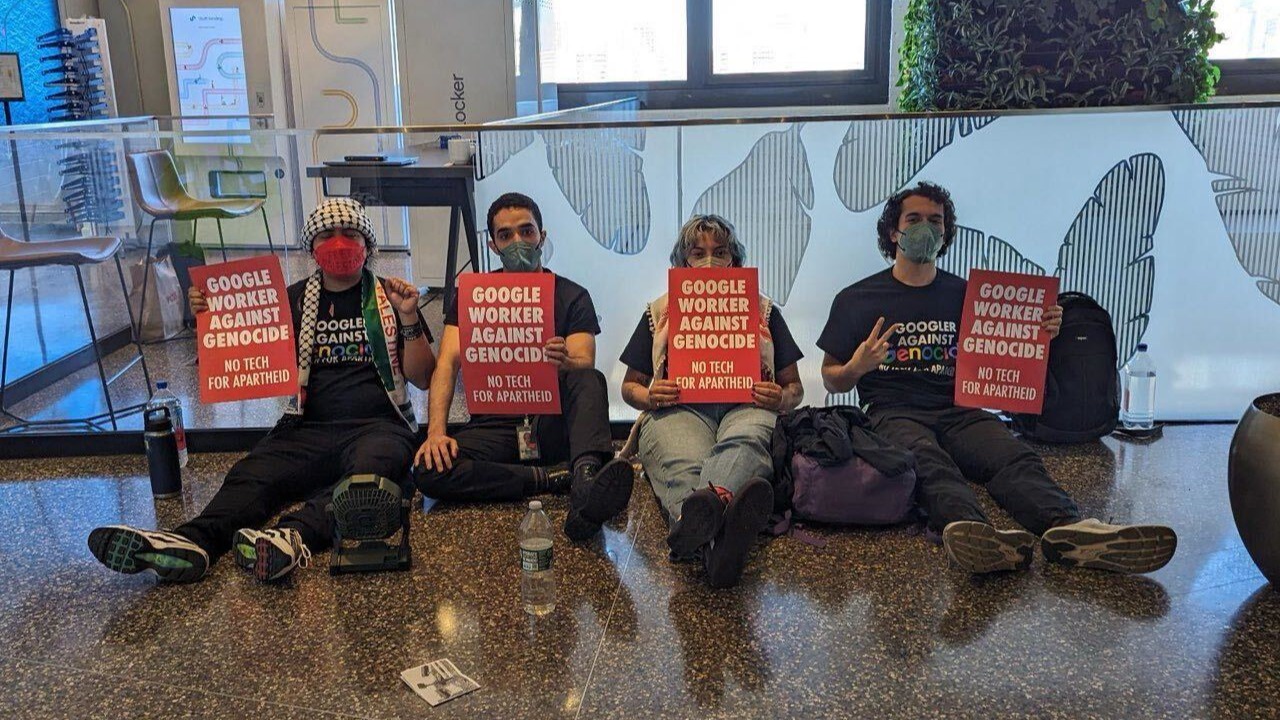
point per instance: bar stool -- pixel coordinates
(17, 255)
(159, 191)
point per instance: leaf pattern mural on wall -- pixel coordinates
(602, 175)
(878, 157)
(975, 249)
(498, 146)
(1107, 251)
(768, 197)
(1243, 144)
(600, 171)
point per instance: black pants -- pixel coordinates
(297, 462)
(488, 467)
(956, 443)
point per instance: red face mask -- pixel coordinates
(341, 255)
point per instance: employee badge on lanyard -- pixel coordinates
(527, 443)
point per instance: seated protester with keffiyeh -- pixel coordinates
(481, 461)
(360, 338)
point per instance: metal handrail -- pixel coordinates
(686, 122)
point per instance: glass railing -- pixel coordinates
(1170, 217)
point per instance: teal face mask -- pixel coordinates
(708, 261)
(920, 242)
(521, 257)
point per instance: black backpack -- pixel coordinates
(1082, 390)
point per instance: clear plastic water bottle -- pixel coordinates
(537, 577)
(166, 399)
(1138, 408)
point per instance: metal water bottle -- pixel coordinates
(162, 453)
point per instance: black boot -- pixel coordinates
(701, 515)
(745, 517)
(598, 494)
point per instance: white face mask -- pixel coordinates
(707, 261)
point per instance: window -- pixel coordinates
(1250, 55)
(1252, 28)
(766, 36)
(709, 53)
(608, 41)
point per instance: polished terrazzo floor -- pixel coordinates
(873, 625)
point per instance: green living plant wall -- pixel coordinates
(994, 54)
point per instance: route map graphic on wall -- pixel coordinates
(209, 63)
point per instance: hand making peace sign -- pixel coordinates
(871, 352)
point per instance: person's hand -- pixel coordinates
(557, 351)
(663, 394)
(195, 298)
(1052, 322)
(767, 395)
(871, 352)
(404, 297)
(437, 453)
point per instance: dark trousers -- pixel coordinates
(297, 462)
(957, 443)
(488, 467)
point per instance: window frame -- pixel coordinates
(704, 89)
(1248, 76)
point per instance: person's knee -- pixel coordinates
(590, 378)
(436, 484)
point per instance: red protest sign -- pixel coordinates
(1004, 353)
(713, 350)
(245, 338)
(504, 320)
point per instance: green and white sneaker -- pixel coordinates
(980, 548)
(270, 554)
(245, 548)
(130, 550)
(1118, 548)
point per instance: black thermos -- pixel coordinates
(162, 453)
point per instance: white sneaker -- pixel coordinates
(277, 552)
(245, 547)
(980, 548)
(130, 550)
(1119, 548)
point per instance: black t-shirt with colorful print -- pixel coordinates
(344, 385)
(919, 370)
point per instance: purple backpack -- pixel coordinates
(851, 493)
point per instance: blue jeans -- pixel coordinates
(685, 447)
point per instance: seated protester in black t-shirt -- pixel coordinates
(709, 464)
(359, 339)
(893, 335)
(480, 462)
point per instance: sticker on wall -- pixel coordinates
(1250, 191)
(768, 198)
(601, 173)
(1107, 251)
(877, 158)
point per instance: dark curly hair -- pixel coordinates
(514, 200)
(888, 222)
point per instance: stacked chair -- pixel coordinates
(73, 76)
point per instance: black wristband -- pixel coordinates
(411, 332)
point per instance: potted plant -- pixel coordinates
(1253, 481)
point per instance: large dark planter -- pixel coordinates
(1253, 480)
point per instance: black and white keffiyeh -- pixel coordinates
(339, 212)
